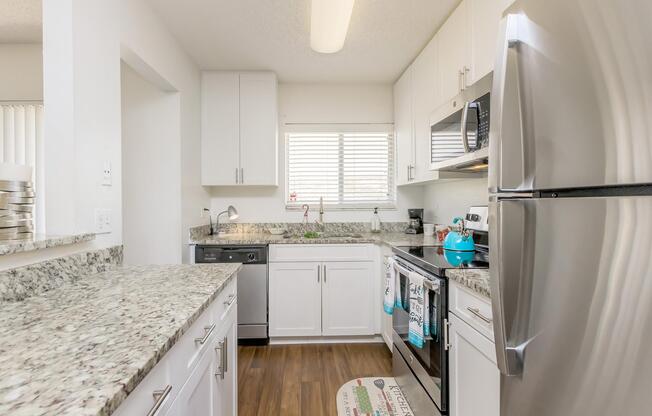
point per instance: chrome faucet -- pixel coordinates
(320, 221)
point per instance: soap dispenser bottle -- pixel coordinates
(375, 222)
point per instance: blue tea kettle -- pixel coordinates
(459, 238)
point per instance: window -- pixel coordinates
(348, 170)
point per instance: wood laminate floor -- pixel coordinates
(291, 380)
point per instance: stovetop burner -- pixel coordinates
(436, 260)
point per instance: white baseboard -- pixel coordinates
(327, 340)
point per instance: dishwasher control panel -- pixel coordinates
(231, 254)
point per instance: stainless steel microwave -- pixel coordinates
(459, 130)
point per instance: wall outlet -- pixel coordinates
(102, 220)
(106, 174)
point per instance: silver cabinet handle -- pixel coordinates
(477, 314)
(324, 273)
(318, 273)
(159, 398)
(241, 175)
(208, 330)
(408, 172)
(236, 175)
(447, 345)
(229, 301)
(223, 348)
(460, 80)
(220, 368)
(465, 82)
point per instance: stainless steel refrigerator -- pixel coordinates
(571, 207)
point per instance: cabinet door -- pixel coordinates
(347, 298)
(294, 299)
(484, 17)
(220, 135)
(403, 127)
(196, 398)
(225, 350)
(474, 377)
(453, 52)
(424, 92)
(258, 129)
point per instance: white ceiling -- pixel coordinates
(384, 37)
(21, 21)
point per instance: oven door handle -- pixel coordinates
(434, 286)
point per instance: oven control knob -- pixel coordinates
(251, 257)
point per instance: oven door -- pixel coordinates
(430, 363)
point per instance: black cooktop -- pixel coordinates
(436, 260)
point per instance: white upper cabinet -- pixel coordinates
(220, 134)
(239, 128)
(403, 128)
(484, 17)
(424, 100)
(453, 48)
(258, 129)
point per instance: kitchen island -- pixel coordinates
(81, 348)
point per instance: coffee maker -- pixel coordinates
(415, 223)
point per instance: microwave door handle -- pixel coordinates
(465, 133)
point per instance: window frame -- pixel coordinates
(390, 205)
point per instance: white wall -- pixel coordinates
(317, 103)
(151, 172)
(84, 42)
(446, 200)
(21, 72)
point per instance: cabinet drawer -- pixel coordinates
(473, 309)
(225, 302)
(141, 400)
(186, 353)
(320, 252)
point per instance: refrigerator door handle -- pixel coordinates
(511, 257)
(507, 170)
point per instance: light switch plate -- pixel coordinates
(102, 220)
(106, 174)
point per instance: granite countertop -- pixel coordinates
(391, 239)
(39, 242)
(81, 348)
(475, 279)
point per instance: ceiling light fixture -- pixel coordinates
(329, 22)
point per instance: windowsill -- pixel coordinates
(327, 208)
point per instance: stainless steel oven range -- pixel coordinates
(422, 373)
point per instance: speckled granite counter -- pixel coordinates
(475, 279)
(40, 242)
(81, 348)
(392, 239)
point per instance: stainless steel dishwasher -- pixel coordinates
(252, 286)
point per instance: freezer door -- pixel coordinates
(571, 285)
(570, 103)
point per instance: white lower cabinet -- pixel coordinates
(198, 376)
(320, 298)
(346, 298)
(474, 377)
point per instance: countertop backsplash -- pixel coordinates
(297, 228)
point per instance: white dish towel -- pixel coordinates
(419, 311)
(390, 286)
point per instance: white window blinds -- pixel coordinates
(20, 133)
(349, 170)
